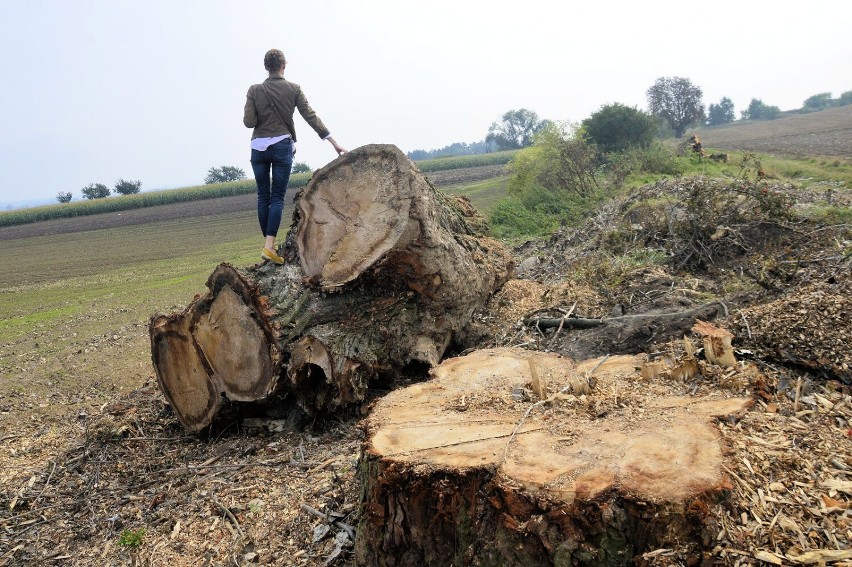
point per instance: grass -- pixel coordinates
(483, 194)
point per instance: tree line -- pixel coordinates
(99, 190)
(676, 102)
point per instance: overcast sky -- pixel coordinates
(99, 90)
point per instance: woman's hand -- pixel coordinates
(337, 147)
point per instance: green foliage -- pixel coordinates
(656, 159)
(552, 182)
(845, 98)
(95, 191)
(461, 162)
(677, 101)
(125, 187)
(300, 167)
(138, 201)
(64, 197)
(561, 160)
(817, 102)
(615, 127)
(721, 113)
(515, 130)
(757, 110)
(131, 538)
(224, 174)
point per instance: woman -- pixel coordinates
(269, 110)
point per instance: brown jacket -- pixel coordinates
(288, 96)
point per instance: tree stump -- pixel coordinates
(383, 271)
(460, 470)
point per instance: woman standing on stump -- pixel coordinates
(269, 110)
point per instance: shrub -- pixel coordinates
(300, 167)
(63, 197)
(124, 187)
(616, 127)
(224, 174)
(95, 191)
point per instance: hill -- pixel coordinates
(824, 133)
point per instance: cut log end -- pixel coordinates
(554, 463)
(217, 349)
(353, 213)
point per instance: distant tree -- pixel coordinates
(757, 110)
(300, 167)
(515, 129)
(845, 98)
(96, 191)
(64, 197)
(223, 174)
(616, 127)
(721, 113)
(454, 149)
(677, 101)
(125, 187)
(817, 102)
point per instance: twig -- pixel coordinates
(561, 323)
(746, 322)
(798, 393)
(325, 517)
(540, 402)
(47, 482)
(28, 512)
(229, 514)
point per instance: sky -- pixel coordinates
(97, 90)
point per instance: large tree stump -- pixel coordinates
(383, 270)
(458, 470)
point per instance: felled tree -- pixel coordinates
(383, 270)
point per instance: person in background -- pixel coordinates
(269, 110)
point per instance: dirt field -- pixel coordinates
(95, 469)
(825, 133)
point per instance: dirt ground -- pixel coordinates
(118, 482)
(824, 133)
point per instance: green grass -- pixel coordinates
(483, 194)
(801, 171)
(461, 162)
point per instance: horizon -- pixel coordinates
(164, 106)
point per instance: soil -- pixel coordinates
(123, 484)
(824, 133)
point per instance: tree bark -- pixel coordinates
(458, 471)
(382, 271)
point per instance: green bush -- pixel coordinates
(125, 187)
(616, 127)
(95, 191)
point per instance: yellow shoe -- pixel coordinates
(270, 255)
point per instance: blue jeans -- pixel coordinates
(270, 196)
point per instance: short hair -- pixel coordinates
(273, 59)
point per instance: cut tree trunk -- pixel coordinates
(460, 470)
(382, 271)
